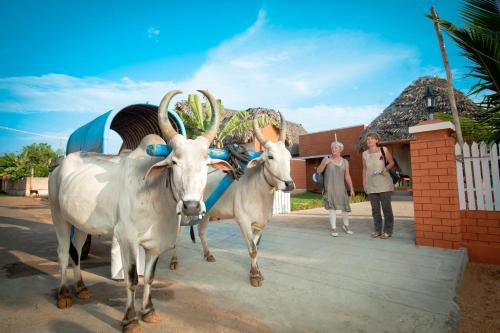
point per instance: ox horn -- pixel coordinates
(282, 127)
(165, 125)
(258, 131)
(212, 131)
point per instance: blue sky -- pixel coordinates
(324, 64)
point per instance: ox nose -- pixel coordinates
(289, 185)
(191, 207)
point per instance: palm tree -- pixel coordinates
(480, 41)
(197, 116)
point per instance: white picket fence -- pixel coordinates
(480, 188)
(281, 203)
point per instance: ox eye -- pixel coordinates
(174, 162)
(271, 157)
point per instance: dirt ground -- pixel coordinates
(479, 299)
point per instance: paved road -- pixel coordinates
(313, 282)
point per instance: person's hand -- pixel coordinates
(384, 172)
(352, 193)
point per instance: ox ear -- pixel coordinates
(220, 164)
(255, 162)
(159, 167)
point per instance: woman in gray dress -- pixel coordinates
(336, 175)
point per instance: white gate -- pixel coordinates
(281, 202)
(478, 177)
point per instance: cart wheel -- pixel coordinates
(86, 248)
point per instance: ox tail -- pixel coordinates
(73, 253)
(191, 233)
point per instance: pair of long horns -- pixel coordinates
(166, 126)
(260, 136)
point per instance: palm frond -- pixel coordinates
(482, 14)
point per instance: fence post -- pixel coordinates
(435, 195)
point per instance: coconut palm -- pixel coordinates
(480, 41)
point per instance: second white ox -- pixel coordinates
(250, 199)
(135, 196)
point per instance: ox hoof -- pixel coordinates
(64, 298)
(132, 327)
(64, 302)
(151, 317)
(82, 292)
(210, 257)
(173, 264)
(256, 280)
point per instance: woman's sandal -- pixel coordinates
(347, 230)
(385, 235)
(376, 234)
(334, 233)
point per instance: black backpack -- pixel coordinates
(395, 171)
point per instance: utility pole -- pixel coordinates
(451, 93)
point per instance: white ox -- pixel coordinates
(250, 199)
(137, 197)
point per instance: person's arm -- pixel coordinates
(389, 159)
(348, 179)
(364, 173)
(322, 166)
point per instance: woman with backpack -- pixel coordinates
(378, 184)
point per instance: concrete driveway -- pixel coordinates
(313, 282)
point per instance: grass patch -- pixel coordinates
(308, 200)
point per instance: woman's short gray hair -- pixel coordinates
(339, 144)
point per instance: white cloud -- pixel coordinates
(265, 66)
(63, 93)
(153, 32)
(324, 117)
(311, 75)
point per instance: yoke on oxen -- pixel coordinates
(236, 155)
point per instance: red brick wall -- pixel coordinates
(438, 219)
(319, 144)
(481, 235)
(298, 173)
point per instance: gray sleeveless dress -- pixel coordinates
(334, 191)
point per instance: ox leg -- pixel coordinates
(129, 254)
(149, 314)
(63, 240)
(75, 251)
(173, 260)
(256, 277)
(202, 233)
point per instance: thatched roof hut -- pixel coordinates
(293, 130)
(410, 108)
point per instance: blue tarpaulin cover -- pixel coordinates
(89, 137)
(132, 123)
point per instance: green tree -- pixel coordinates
(197, 117)
(13, 166)
(36, 156)
(480, 41)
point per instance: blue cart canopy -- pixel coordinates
(132, 123)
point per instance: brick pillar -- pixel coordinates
(435, 195)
